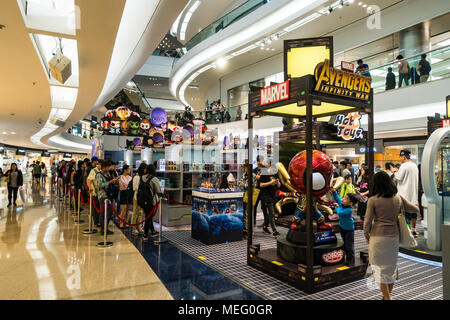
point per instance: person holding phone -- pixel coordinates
(102, 181)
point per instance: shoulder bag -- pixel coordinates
(406, 238)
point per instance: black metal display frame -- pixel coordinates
(308, 278)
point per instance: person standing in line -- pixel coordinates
(408, 186)
(137, 211)
(403, 71)
(352, 170)
(363, 69)
(269, 183)
(37, 173)
(14, 180)
(150, 177)
(43, 174)
(53, 171)
(424, 68)
(96, 168)
(363, 190)
(381, 230)
(257, 173)
(102, 181)
(344, 171)
(390, 80)
(124, 180)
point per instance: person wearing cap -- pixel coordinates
(408, 185)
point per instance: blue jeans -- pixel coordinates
(109, 214)
(299, 214)
(403, 76)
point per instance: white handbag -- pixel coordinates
(406, 238)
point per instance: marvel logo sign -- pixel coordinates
(275, 93)
(446, 123)
(333, 256)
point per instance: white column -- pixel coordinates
(128, 157)
(146, 155)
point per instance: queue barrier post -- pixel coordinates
(77, 220)
(105, 243)
(90, 230)
(160, 240)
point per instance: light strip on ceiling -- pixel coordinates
(187, 18)
(173, 30)
(244, 35)
(70, 144)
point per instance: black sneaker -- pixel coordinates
(9, 205)
(275, 234)
(154, 234)
(266, 230)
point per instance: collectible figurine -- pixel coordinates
(158, 118)
(145, 127)
(105, 125)
(133, 124)
(123, 113)
(294, 181)
(124, 127)
(115, 126)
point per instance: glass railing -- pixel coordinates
(225, 21)
(439, 60)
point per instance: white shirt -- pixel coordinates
(408, 181)
(136, 181)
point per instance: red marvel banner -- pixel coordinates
(275, 93)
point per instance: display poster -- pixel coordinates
(349, 126)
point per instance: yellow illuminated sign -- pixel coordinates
(301, 61)
(341, 83)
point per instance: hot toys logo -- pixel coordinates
(341, 83)
(349, 126)
(333, 256)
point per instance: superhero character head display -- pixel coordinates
(105, 125)
(124, 127)
(115, 125)
(158, 118)
(134, 125)
(145, 127)
(295, 180)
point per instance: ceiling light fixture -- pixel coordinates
(341, 4)
(360, 3)
(221, 62)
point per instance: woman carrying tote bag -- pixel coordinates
(381, 230)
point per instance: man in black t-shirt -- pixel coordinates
(268, 184)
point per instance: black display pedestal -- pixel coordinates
(286, 221)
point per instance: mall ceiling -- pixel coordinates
(24, 87)
(322, 26)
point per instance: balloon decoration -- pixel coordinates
(157, 131)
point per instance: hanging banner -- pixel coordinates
(349, 126)
(341, 83)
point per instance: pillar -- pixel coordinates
(146, 155)
(128, 157)
(414, 40)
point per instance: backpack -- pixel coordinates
(130, 192)
(145, 195)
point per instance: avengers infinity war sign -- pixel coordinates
(341, 83)
(349, 126)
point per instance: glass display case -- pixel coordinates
(444, 182)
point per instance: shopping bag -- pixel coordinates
(406, 238)
(22, 195)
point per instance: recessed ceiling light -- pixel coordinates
(221, 62)
(12, 132)
(364, 5)
(360, 3)
(4, 132)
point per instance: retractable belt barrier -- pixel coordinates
(135, 224)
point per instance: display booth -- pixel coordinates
(309, 257)
(324, 134)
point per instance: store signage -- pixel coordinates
(275, 93)
(446, 123)
(45, 154)
(333, 256)
(341, 83)
(20, 152)
(67, 155)
(349, 126)
(347, 66)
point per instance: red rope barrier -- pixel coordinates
(95, 207)
(135, 224)
(82, 200)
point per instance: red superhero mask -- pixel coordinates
(322, 169)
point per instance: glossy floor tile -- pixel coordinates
(43, 255)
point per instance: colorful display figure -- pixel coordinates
(115, 125)
(124, 127)
(106, 125)
(134, 123)
(145, 127)
(123, 113)
(158, 118)
(294, 180)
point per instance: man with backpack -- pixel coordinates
(102, 182)
(424, 68)
(149, 194)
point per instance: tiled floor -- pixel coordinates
(43, 255)
(416, 280)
